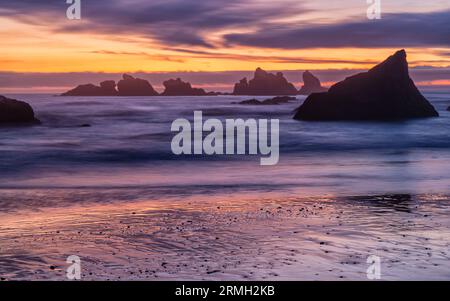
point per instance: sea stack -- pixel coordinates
(311, 84)
(177, 87)
(13, 111)
(385, 92)
(106, 88)
(130, 86)
(265, 83)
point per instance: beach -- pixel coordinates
(265, 237)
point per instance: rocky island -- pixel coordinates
(311, 84)
(385, 92)
(106, 88)
(128, 86)
(177, 87)
(131, 86)
(265, 83)
(13, 111)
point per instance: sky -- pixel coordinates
(211, 41)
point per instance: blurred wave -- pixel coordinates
(89, 141)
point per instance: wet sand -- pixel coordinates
(253, 237)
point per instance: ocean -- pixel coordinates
(128, 145)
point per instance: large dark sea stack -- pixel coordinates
(311, 84)
(177, 87)
(385, 92)
(106, 88)
(130, 86)
(16, 112)
(265, 83)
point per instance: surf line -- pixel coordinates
(236, 137)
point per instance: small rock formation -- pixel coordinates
(385, 92)
(109, 88)
(130, 86)
(106, 88)
(265, 83)
(252, 102)
(311, 84)
(241, 87)
(16, 112)
(270, 101)
(448, 109)
(177, 87)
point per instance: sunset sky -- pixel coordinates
(158, 36)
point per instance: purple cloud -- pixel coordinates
(392, 31)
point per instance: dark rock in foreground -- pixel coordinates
(265, 83)
(385, 92)
(271, 101)
(177, 87)
(448, 109)
(16, 112)
(106, 88)
(311, 84)
(130, 86)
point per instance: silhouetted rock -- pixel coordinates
(130, 86)
(265, 83)
(106, 88)
(16, 112)
(177, 87)
(385, 92)
(109, 88)
(311, 84)
(83, 90)
(448, 109)
(252, 101)
(241, 88)
(271, 101)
